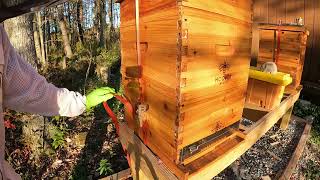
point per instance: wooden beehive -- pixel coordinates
(266, 90)
(193, 75)
(286, 46)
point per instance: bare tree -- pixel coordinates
(37, 40)
(97, 18)
(80, 19)
(103, 13)
(21, 35)
(41, 32)
(64, 32)
(112, 30)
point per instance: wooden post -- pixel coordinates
(297, 153)
(286, 119)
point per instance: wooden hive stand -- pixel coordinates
(146, 165)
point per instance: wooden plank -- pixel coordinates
(208, 125)
(215, 61)
(264, 12)
(257, 16)
(283, 27)
(240, 9)
(122, 175)
(266, 45)
(310, 20)
(216, 81)
(255, 45)
(155, 58)
(281, 10)
(207, 166)
(213, 146)
(147, 8)
(286, 119)
(215, 163)
(316, 45)
(143, 160)
(263, 94)
(272, 11)
(297, 153)
(206, 101)
(294, 10)
(158, 50)
(254, 113)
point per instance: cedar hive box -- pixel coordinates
(195, 58)
(286, 46)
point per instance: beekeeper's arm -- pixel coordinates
(25, 90)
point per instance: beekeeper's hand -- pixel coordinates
(98, 96)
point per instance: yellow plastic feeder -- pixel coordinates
(266, 90)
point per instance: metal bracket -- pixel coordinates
(141, 110)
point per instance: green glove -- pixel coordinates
(98, 96)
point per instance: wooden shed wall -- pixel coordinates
(272, 11)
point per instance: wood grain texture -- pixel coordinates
(195, 61)
(214, 162)
(285, 121)
(286, 47)
(145, 165)
(263, 94)
(287, 11)
(158, 35)
(122, 175)
(216, 63)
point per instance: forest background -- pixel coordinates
(76, 46)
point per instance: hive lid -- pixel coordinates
(279, 78)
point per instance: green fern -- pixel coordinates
(104, 167)
(58, 139)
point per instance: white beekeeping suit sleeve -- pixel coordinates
(27, 91)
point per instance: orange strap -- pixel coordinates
(115, 121)
(113, 117)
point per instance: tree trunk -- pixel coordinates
(43, 54)
(54, 34)
(112, 31)
(37, 42)
(65, 38)
(80, 20)
(47, 35)
(102, 23)
(97, 19)
(20, 32)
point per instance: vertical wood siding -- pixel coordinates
(274, 11)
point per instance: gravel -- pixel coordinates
(268, 157)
